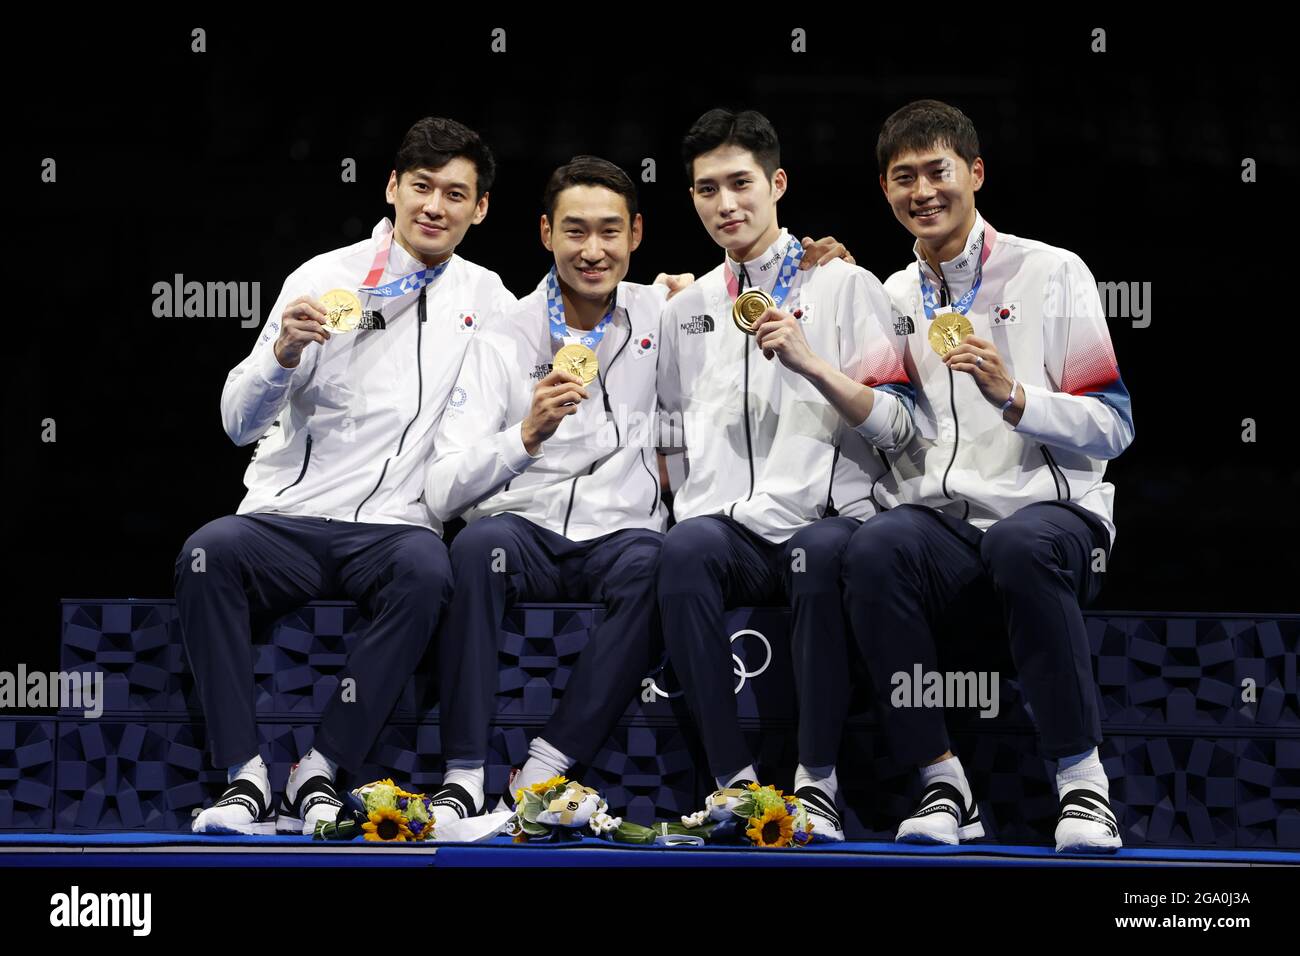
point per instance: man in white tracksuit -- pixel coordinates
(1019, 406)
(555, 471)
(344, 422)
(776, 483)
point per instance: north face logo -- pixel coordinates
(698, 325)
(903, 325)
(540, 372)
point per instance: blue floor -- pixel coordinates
(122, 849)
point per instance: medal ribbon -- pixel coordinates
(784, 277)
(555, 313)
(930, 294)
(408, 283)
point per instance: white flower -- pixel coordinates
(603, 823)
(696, 819)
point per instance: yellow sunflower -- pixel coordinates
(774, 828)
(387, 826)
(540, 788)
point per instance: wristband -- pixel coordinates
(1015, 386)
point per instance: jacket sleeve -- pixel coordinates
(870, 354)
(258, 388)
(475, 451)
(1087, 409)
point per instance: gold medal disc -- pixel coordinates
(948, 330)
(747, 308)
(342, 309)
(577, 360)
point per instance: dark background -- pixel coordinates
(225, 166)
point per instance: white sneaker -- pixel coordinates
(942, 816)
(822, 815)
(1086, 824)
(316, 802)
(241, 809)
(452, 802)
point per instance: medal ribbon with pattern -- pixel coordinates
(950, 328)
(343, 307)
(748, 305)
(580, 358)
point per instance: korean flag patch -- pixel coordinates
(645, 344)
(466, 322)
(1008, 313)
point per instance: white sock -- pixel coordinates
(950, 771)
(467, 774)
(313, 764)
(823, 778)
(543, 763)
(254, 770)
(745, 773)
(1081, 770)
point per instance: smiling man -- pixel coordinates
(343, 392)
(776, 482)
(1019, 406)
(548, 448)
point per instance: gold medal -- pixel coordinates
(577, 360)
(948, 330)
(747, 308)
(342, 310)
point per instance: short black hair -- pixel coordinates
(922, 124)
(435, 141)
(589, 171)
(720, 127)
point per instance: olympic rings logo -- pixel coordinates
(652, 690)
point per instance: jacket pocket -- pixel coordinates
(1058, 476)
(306, 459)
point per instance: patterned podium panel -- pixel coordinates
(1201, 717)
(26, 774)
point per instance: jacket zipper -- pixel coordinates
(749, 444)
(1053, 467)
(604, 394)
(829, 511)
(305, 459)
(419, 399)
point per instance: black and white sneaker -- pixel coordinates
(822, 814)
(453, 802)
(316, 802)
(241, 809)
(1086, 824)
(943, 816)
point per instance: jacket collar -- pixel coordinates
(959, 272)
(400, 262)
(622, 301)
(761, 271)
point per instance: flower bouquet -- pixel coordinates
(561, 809)
(383, 812)
(761, 816)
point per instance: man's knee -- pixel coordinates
(213, 547)
(690, 550)
(1012, 550)
(814, 554)
(486, 543)
(421, 564)
(886, 546)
